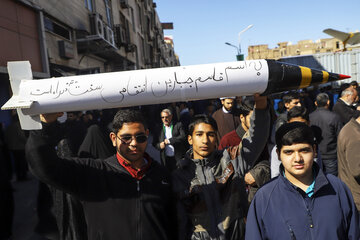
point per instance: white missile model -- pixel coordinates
(152, 86)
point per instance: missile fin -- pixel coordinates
(17, 71)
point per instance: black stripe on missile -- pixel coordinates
(282, 77)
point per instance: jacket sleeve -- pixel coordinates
(253, 141)
(253, 223)
(352, 154)
(350, 213)
(69, 175)
(261, 173)
(180, 137)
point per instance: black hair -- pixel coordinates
(246, 106)
(354, 83)
(201, 118)
(297, 111)
(322, 99)
(288, 97)
(127, 116)
(293, 133)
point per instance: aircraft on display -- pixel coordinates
(346, 38)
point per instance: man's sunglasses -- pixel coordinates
(128, 138)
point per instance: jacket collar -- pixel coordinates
(320, 178)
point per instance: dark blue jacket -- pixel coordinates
(282, 211)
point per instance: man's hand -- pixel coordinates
(249, 179)
(50, 117)
(166, 141)
(260, 101)
(162, 145)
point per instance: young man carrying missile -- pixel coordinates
(209, 185)
(126, 196)
(302, 202)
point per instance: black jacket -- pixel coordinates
(326, 126)
(178, 140)
(116, 205)
(344, 111)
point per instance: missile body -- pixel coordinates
(154, 86)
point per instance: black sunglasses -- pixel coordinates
(128, 138)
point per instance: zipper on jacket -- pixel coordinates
(292, 234)
(138, 211)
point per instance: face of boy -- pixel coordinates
(293, 103)
(132, 151)
(297, 160)
(203, 140)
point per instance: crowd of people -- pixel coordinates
(256, 167)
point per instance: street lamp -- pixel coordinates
(240, 56)
(238, 50)
(244, 30)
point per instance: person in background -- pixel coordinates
(344, 106)
(348, 153)
(326, 126)
(170, 141)
(260, 173)
(226, 118)
(290, 100)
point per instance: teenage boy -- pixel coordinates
(126, 196)
(302, 202)
(209, 185)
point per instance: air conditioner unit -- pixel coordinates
(120, 36)
(110, 36)
(97, 25)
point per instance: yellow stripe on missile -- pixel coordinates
(325, 77)
(305, 77)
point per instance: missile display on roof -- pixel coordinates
(152, 86)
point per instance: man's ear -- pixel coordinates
(147, 132)
(286, 105)
(315, 151)
(189, 139)
(315, 103)
(113, 138)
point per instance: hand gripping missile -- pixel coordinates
(152, 86)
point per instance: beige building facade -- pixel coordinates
(286, 49)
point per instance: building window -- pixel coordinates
(89, 5)
(108, 12)
(57, 28)
(337, 45)
(140, 17)
(133, 19)
(125, 26)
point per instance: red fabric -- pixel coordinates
(135, 173)
(229, 139)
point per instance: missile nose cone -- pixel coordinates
(342, 76)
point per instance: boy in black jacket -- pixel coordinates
(127, 196)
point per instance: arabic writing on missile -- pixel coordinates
(135, 86)
(73, 87)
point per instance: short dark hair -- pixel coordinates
(246, 106)
(201, 118)
(127, 116)
(298, 112)
(322, 99)
(293, 133)
(354, 83)
(288, 97)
